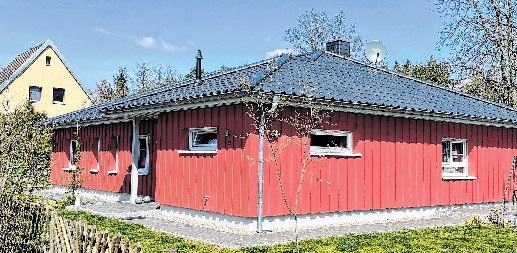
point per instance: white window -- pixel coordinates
(331, 142)
(143, 158)
(96, 152)
(454, 158)
(114, 152)
(73, 154)
(203, 139)
(58, 95)
(34, 94)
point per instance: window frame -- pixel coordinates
(47, 60)
(71, 161)
(40, 91)
(145, 170)
(464, 163)
(58, 102)
(117, 143)
(98, 152)
(333, 151)
(201, 148)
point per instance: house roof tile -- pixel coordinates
(16, 63)
(343, 81)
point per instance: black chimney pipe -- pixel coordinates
(198, 65)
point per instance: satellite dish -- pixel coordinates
(375, 51)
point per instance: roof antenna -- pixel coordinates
(375, 52)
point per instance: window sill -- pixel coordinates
(197, 151)
(68, 169)
(94, 171)
(336, 154)
(58, 103)
(35, 101)
(459, 178)
(112, 171)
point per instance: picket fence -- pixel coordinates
(79, 237)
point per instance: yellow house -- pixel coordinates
(42, 76)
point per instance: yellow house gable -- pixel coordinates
(47, 80)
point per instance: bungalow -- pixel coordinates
(406, 147)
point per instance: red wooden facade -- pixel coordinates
(400, 166)
(108, 178)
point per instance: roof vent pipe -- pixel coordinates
(198, 65)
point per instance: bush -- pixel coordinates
(25, 150)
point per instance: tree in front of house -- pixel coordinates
(25, 150)
(315, 28)
(482, 36)
(431, 71)
(265, 111)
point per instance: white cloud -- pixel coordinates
(98, 29)
(146, 42)
(278, 52)
(170, 47)
(191, 43)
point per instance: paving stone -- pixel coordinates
(149, 215)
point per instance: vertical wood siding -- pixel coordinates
(227, 178)
(106, 158)
(400, 164)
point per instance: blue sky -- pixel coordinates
(98, 36)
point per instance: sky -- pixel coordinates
(98, 36)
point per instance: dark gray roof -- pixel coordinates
(342, 81)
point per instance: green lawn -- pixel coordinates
(464, 238)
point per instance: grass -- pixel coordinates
(475, 237)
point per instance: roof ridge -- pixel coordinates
(426, 82)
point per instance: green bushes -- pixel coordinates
(25, 149)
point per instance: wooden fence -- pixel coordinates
(79, 237)
(22, 225)
(31, 227)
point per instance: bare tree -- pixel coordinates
(148, 77)
(102, 93)
(481, 35)
(265, 110)
(314, 29)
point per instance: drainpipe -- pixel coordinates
(261, 174)
(134, 163)
(261, 163)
